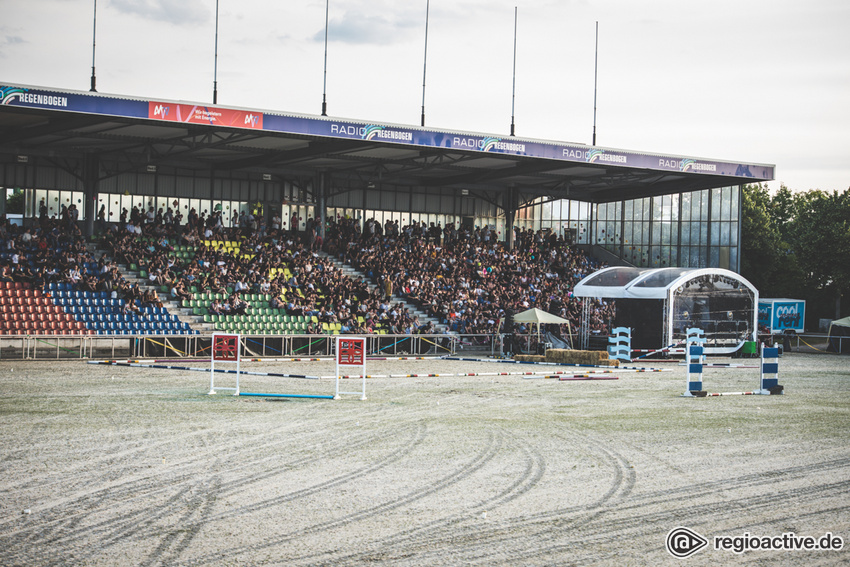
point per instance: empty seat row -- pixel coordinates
(29, 308)
(32, 316)
(12, 294)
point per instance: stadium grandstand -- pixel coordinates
(135, 217)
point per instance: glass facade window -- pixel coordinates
(696, 229)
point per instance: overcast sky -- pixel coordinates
(757, 81)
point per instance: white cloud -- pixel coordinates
(178, 12)
(369, 24)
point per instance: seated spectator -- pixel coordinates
(238, 306)
(277, 302)
(88, 283)
(156, 278)
(240, 286)
(179, 291)
(214, 284)
(151, 299)
(130, 308)
(216, 307)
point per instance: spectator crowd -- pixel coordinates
(466, 279)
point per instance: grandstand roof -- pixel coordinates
(136, 132)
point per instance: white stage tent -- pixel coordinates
(660, 304)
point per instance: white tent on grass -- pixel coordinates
(539, 317)
(839, 335)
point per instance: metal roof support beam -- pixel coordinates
(322, 198)
(90, 185)
(510, 205)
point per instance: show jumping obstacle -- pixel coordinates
(137, 364)
(227, 348)
(570, 364)
(695, 365)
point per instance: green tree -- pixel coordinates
(788, 278)
(15, 202)
(759, 239)
(783, 212)
(821, 239)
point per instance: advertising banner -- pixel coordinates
(210, 115)
(94, 103)
(510, 145)
(781, 314)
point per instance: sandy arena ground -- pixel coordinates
(106, 465)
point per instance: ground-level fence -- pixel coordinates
(259, 346)
(254, 346)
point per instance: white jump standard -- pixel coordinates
(351, 351)
(225, 348)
